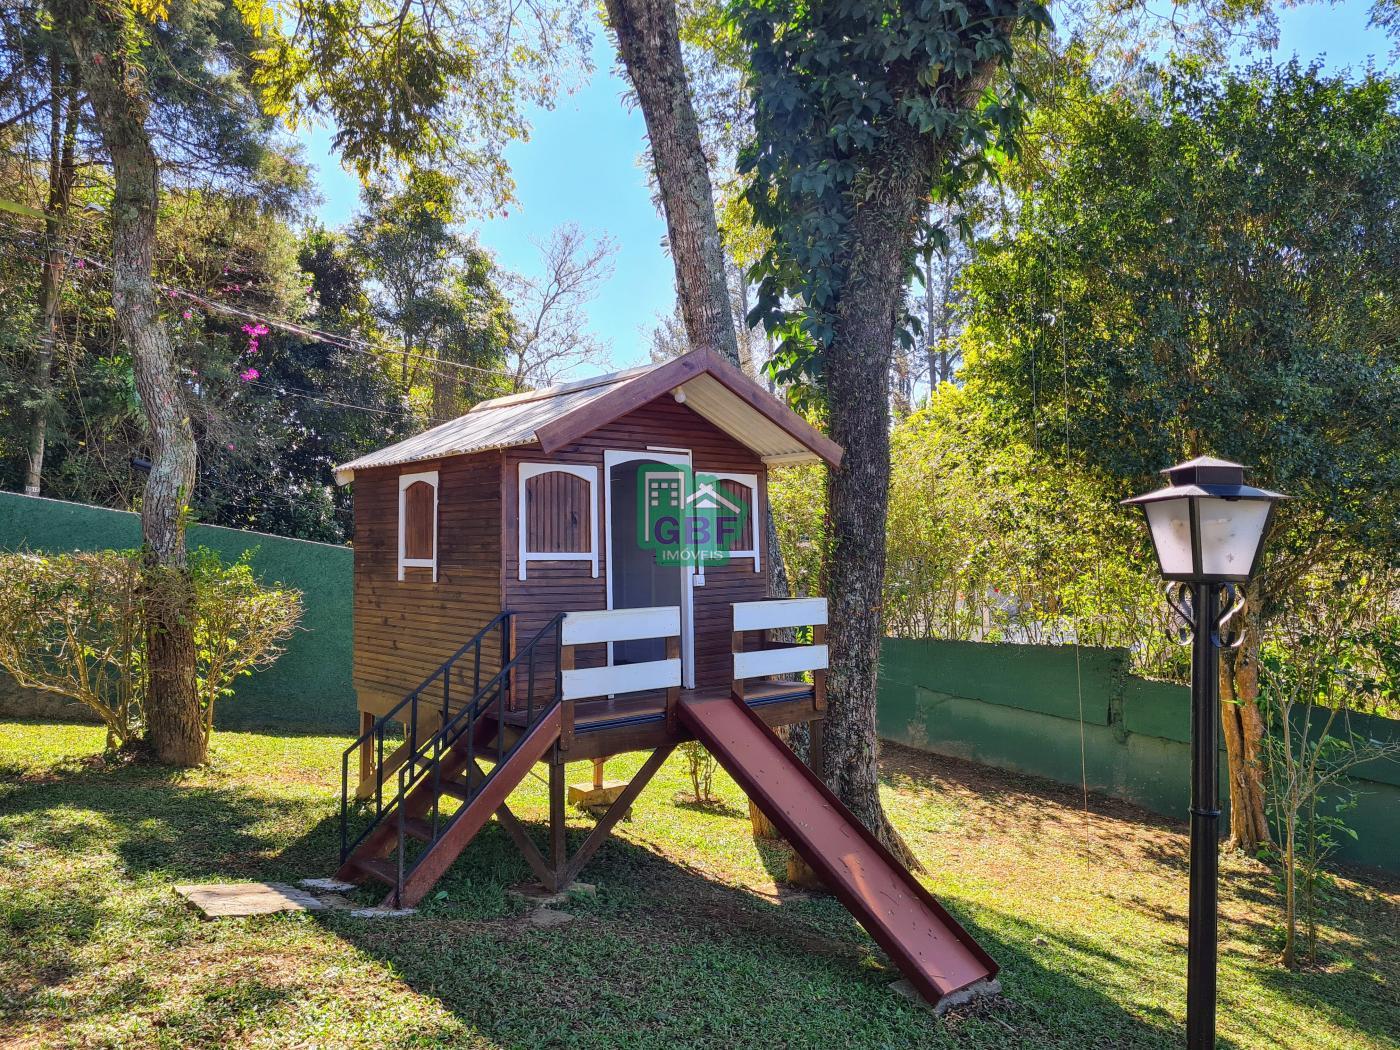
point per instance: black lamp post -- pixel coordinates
(1208, 530)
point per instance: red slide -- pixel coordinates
(937, 955)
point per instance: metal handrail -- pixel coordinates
(463, 724)
(411, 701)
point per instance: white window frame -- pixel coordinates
(406, 480)
(533, 470)
(750, 482)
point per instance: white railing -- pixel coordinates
(620, 625)
(773, 660)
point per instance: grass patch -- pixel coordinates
(687, 942)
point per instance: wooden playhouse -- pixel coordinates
(578, 572)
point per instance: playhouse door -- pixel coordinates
(634, 579)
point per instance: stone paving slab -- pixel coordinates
(220, 900)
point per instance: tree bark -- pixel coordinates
(857, 387)
(63, 129)
(100, 34)
(1244, 730)
(649, 42)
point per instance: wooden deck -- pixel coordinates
(637, 721)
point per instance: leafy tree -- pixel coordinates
(434, 290)
(75, 625)
(171, 82)
(860, 110)
(1214, 271)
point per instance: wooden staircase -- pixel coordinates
(442, 796)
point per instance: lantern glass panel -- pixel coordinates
(1231, 531)
(1170, 522)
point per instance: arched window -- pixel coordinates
(558, 519)
(418, 522)
(741, 490)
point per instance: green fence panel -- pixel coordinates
(309, 687)
(1052, 679)
(1157, 708)
(1017, 707)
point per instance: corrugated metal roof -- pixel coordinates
(501, 423)
(511, 421)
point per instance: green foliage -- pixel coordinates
(75, 625)
(989, 540)
(1327, 662)
(1214, 268)
(701, 767)
(435, 291)
(842, 94)
(440, 82)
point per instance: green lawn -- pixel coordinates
(686, 943)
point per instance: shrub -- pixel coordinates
(75, 625)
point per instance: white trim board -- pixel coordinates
(586, 682)
(779, 612)
(620, 625)
(764, 662)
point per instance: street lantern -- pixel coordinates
(1208, 526)
(1208, 530)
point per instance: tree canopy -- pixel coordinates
(1216, 269)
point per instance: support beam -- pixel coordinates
(558, 831)
(615, 812)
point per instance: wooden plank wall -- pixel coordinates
(406, 629)
(561, 586)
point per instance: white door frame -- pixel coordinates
(616, 457)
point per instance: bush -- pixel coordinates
(75, 625)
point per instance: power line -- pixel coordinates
(343, 342)
(278, 388)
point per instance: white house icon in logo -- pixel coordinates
(707, 497)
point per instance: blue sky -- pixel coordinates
(582, 164)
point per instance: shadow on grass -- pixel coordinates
(159, 824)
(663, 955)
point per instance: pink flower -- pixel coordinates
(253, 331)
(249, 374)
(81, 264)
(187, 314)
(230, 446)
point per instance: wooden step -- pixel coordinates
(417, 828)
(456, 789)
(386, 871)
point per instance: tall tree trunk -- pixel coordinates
(100, 34)
(857, 388)
(1244, 730)
(63, 130)
(649, 42)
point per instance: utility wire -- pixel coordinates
(343, 342)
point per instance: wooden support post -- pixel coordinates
(598, 773)
(366, 747)
(673, 694)
(558, 832)
(819, 676)
(566, 730)
(615, 812)
(816, 760)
